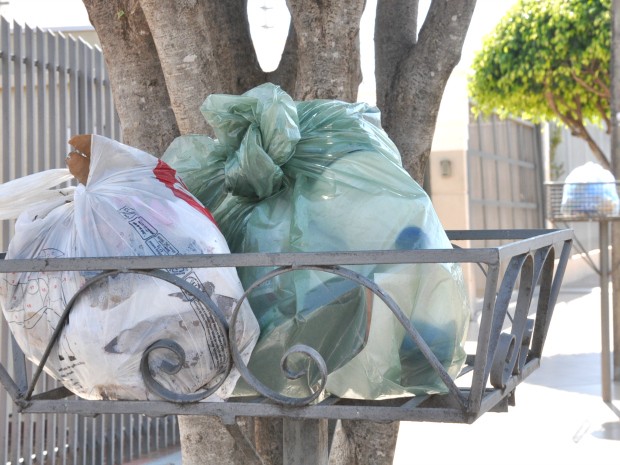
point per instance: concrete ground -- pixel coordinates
(559, 417)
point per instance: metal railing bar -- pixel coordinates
(331, 400)
(56, 393)
(482, 255)
(502, 301)
(439, 408)
(423, 347)
(538, 343)
(251, 259)
(9, 385)
(517, 248)
(357, 411)
(491, 398)
(19, 365)
(414, 402)
(248, 399)
(484, 337)
(500, 234)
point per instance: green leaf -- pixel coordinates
(540, 45)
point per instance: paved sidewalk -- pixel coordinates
(559, 417)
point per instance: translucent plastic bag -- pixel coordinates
(590, 189)
(33, 191)
(132, 205)
(327, 178)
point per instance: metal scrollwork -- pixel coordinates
(314, 356)
(522, 284)
(164, 344)
(511, 350)
(223, 371)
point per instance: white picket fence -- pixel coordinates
(52, 87)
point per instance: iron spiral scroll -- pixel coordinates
(163, 344)
(512, 350)
(313, 355)
(233, 356)
(525, 273)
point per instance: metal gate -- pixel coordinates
(505, 174)
(53, 87)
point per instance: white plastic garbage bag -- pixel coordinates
(132, 205)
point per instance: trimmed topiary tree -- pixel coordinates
(548, 60)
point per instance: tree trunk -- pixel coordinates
(201, 66)
(165, 58)
(575, 123)
(412, 74)
(206, 441)
(136, 76)
(328, 48)
(365, 443)
(188, 69)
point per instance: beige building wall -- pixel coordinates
(448, 181)
(448, 159)
(448, 165)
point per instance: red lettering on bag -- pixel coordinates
(168, 176)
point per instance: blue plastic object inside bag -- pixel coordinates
(321, 175)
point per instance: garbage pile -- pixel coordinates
(319, 176)
(280, 176)
(132, 204)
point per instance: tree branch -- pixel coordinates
(396, 26)
(327, 37)
(604, 115)
(578, 129)
(412, 98)
(202, 66)
(605, 93)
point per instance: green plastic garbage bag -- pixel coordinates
(321, 175)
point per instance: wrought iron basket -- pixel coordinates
(588, 201)
(529, 264)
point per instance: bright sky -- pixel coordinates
(271, 17)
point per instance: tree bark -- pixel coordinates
(228, 30)
(189, 35)
(206, 441)
(137, 79)
(188, 69)
(327, 34)
(367, 443)
(165, 58)
(411, 84)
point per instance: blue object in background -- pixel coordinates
(410, 238)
